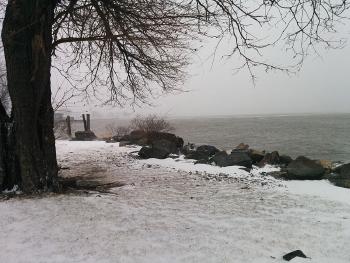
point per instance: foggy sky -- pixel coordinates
(322, 86)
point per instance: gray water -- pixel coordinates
(314, 136)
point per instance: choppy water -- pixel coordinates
(315, 136)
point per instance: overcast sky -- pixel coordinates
(322, 86)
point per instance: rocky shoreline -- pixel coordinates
(161, 145)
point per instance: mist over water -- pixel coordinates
(314, 136)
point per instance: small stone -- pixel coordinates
(293, 254)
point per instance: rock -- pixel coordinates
(84, 136)
(241, 147)
(234, 159)
(188, 148)
(326, 164)
(116, 138)
(220, 159)
(282, 174)
(149, 152)
(342, 179)
(180, 142)
(208, 150)
(293, 254)
(303, 168)
(239, 159)
(143, 138)
(256, 156)
(343, 170)
(141, 142)
(124, 143)
(197, 156)
(165, 145)
(146, 152)
(155, 136)
(285, 159)
(272, 158)
(125, 138)
(203, 152)
(202, 161)
(160, 148)
(345, 183)
(136, 135)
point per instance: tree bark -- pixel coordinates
(27, 39)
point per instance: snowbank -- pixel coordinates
(323, 189)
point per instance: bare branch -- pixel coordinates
(130, 48)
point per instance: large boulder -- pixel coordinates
(159, 149)
(256, 156)
(165, 145)
(337, 181)
(203, 152)
(84, 136)
(285, 159)
(304, 168)
(342, 178)
(236, 158)
(340, 167)
(138, 137)
(239, 159)
(272, 158)
(220, 158)
(116, 138)
(156, 136)
(241, 147)
(135, 137)
(344, 171)
(142, 138)
(150, 152)
(208, 150)
(197, 155)
(188, 148)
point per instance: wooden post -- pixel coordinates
(88, 121)
(69, 127)
(84, 120)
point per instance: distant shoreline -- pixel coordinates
(238, 116)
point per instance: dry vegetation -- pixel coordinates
(151, 123)
(119, 131)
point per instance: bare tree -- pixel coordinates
(61, 97)
(4, 93)
(151, 123)
(130, 47)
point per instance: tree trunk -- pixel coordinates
(27, 39)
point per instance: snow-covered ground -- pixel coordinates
(174, 211)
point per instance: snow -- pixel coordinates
(320, 189)
(189, 166)
(174, 211)
(323, 189)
